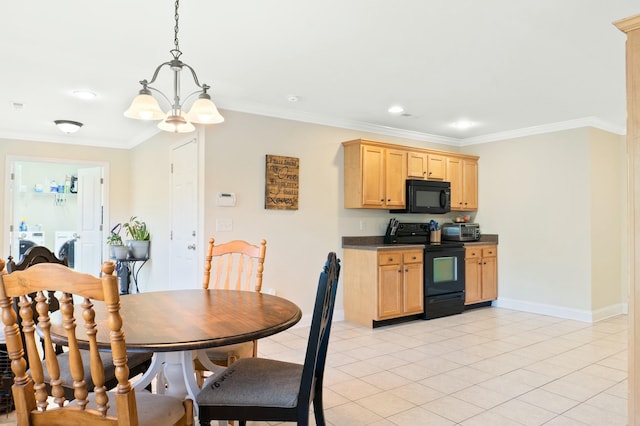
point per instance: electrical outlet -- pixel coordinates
(224, 225)
(363, 225)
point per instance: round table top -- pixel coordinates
(188, 319)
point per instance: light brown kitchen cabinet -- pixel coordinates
(374, 176)
(421, 165)
(382, 284)
(481, 273)
(463, 175)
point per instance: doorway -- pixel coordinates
(58, 205)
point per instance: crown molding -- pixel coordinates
(426, 137)
(545, 128)
(324, 120)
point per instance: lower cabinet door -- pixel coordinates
(413, 289)
(389, 291)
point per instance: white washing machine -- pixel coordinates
(64, 245)
(28, 239)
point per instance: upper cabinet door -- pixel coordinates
(437, 166)
(417, 165)
(395, 177)
(373, 172)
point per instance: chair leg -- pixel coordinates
(200, 378)
(318, 410)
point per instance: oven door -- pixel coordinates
(443, 270)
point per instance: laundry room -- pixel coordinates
(45, 207)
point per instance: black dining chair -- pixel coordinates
(262, 389)
(138, 362)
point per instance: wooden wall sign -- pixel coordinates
(282, 179)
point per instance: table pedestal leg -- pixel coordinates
(175, 374)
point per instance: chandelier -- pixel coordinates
(145, 106)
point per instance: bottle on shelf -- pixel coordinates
(23, 225)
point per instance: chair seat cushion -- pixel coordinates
(253, 382)
(221, 353)
(153, 409)
(134, 358)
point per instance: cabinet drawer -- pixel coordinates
(412, 257)
(489, 251)
(471, 252)
(389, 258)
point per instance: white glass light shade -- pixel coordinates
(176, 124)
(204, 111)
(144, 107)
(68, 126)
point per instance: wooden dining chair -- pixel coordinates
(235, 265)
(34, 404)
(260, 389)
(138, 362)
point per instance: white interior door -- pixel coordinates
(184, 216)
(88, 246)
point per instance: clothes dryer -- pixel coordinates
(28, 239)
(65, 246)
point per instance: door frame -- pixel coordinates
(9, 191)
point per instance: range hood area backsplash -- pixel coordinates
(377, 225)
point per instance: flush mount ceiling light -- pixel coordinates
(463, 124)
(145, 106)
(68, 126)
(84, 94)
(395, 109)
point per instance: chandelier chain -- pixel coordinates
(176, 28)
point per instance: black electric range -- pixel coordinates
(443, 268)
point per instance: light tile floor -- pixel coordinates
(485, 367)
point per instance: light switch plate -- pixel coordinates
(224, 225)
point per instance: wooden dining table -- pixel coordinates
(177, 325)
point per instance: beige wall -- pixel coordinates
(608, 222)
(234, 161)
(539, 193)
(560, 248)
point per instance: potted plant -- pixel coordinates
(117, 250)
(139, 235)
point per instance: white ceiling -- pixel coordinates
(508, 65)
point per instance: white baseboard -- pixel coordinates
(562, 311)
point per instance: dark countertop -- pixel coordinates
(377, 243)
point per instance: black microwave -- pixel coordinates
(427, 196)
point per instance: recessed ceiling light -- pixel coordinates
(463, 124)
(293, 98)
(396, 109)
(84, 94)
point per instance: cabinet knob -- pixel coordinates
(382, 200)
(430, 173)
(479, 263)
(406, 270)
(389, 200)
